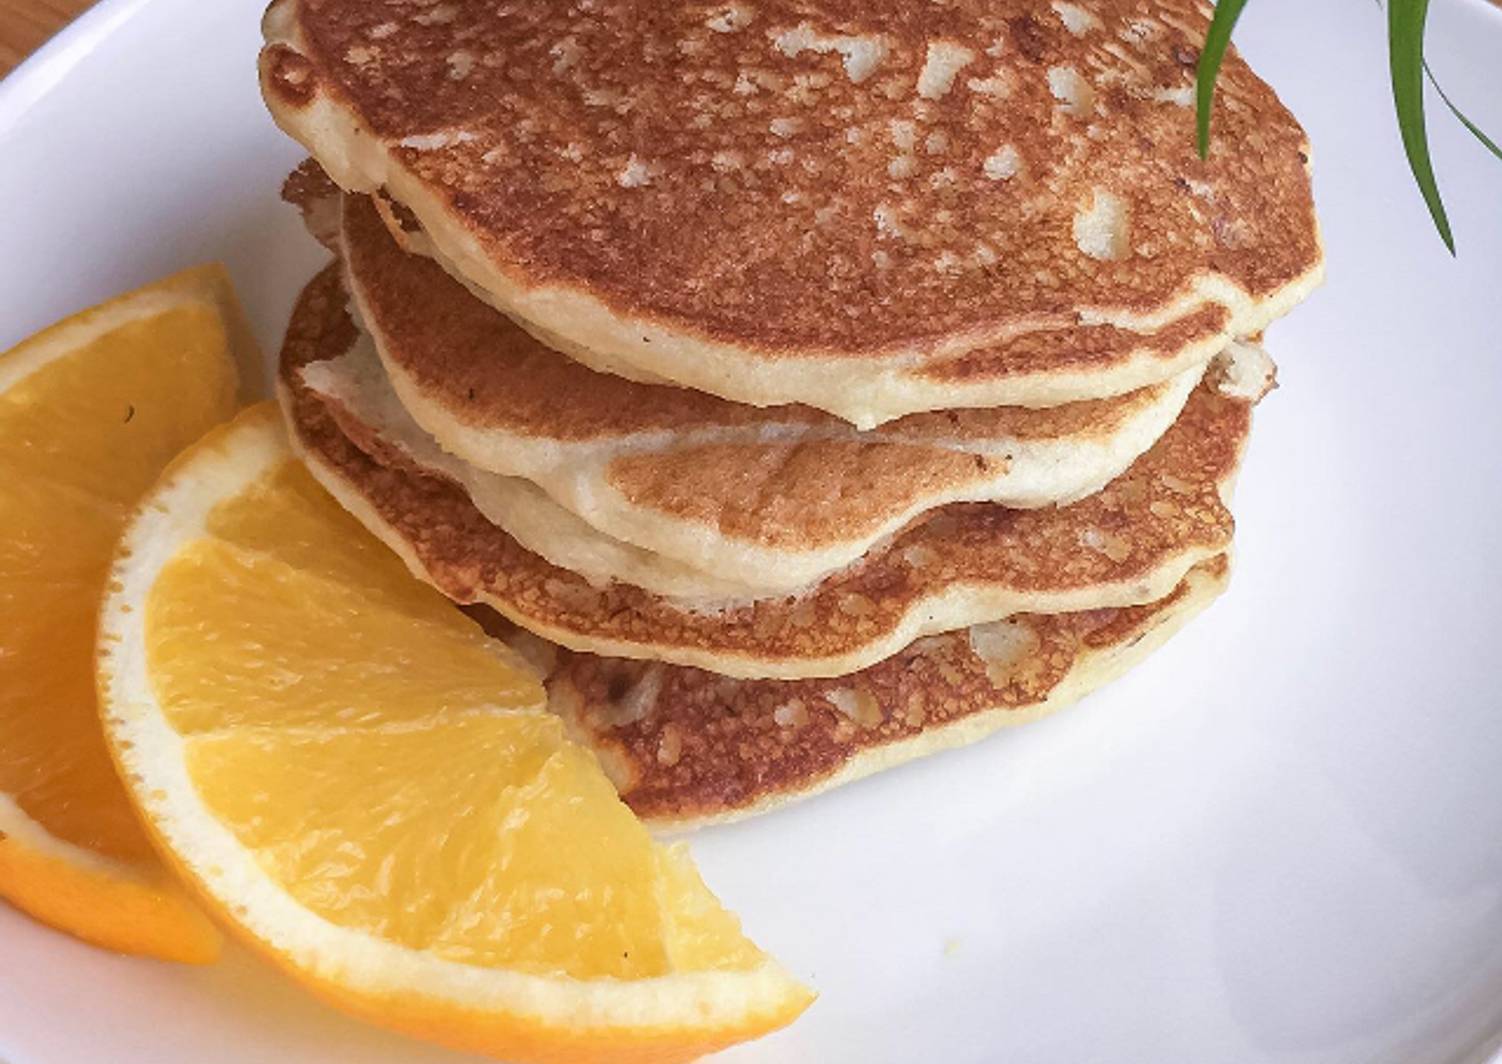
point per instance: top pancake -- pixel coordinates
(873, 209)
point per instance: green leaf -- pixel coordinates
(1405, 44)
(1458, 113)
(1216, 40)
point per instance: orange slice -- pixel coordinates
(372, 792)
(91, 410)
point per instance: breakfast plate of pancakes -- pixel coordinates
(810, 393)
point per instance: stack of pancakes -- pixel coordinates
(805, 387)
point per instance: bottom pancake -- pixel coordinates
(686, 747)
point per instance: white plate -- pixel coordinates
(1281, 839)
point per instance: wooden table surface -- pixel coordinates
(26, 24)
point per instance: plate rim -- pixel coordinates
(40, 73)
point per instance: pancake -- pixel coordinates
(686, 747)
(873, 209)
(772, 498)
(966, 564)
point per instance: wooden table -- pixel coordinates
(26, 24)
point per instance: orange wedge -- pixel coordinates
(91, 410)
(371, 791)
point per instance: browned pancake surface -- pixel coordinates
(724, 169)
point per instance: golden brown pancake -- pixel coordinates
(772, 499)
(687, 747)
(966, 564)
(873, 208)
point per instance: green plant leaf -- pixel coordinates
(1476, 132)
(1216, 41)
(1405, 52)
